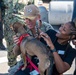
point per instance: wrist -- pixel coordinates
(51, 47)
(53, 50)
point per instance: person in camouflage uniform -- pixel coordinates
(38, 24)
(13, 8)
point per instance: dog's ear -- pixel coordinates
(11, 26)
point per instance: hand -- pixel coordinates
(16, 39)
(47, 39)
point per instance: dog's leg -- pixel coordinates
(48, 71)
(43, 65)
(41, 68)
(24, 59)
(41, 73)
(16, 50)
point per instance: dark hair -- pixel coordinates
(73, 29)
(73, 24)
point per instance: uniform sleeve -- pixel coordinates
(70, 56)
(47, 26)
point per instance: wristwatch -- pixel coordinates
(54, 50)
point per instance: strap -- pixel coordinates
(22, 37)
(28, 59)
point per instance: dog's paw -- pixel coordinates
(23, 68)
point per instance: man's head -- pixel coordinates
(31, 15)
(31, 12)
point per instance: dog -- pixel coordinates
(32, 46)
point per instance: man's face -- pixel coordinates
(30, 23)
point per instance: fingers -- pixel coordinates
(16, 39)
(40, 31)
(44, 35)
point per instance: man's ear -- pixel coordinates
(38, 17)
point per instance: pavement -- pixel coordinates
(3, 61)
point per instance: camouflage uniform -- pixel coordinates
(13, 8)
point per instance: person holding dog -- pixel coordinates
(32, 23)
(59, 44)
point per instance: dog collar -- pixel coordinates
(22, 37)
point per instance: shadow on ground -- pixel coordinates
(3, 73)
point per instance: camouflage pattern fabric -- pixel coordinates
(13, 8)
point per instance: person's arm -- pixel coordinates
(61, 66)
(47, 26)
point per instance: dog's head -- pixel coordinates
(17, 26)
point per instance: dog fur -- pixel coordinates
(32, 46)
